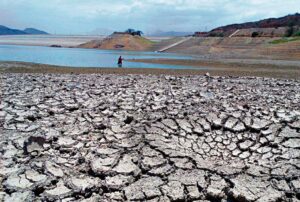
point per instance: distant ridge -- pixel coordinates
(170, 33)
(9, 31)
(34, 31)
(266, 23)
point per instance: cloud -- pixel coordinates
(78, 16)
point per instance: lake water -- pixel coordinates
(76, 57)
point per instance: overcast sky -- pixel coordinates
(86, 16)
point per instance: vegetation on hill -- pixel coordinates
(292, 30)
(285, 40)
(134, 32)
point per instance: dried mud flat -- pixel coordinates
(149, 138)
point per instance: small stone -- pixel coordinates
(153, 162)
(247, 188)
(60, 192)
(193, 192)
(239, 127)
(16, 183)
(35, 176)
(244, 155)
(52, 133)
(189, 177)
(245, 145)
(118, 181)
(66, 141)
(20, 196)
(296, 185)
(54, 169)
(289, 133)
(170, 123)
(259, 124)
(126, 166)
(217, 187)
(81, 184)
(174, 190)
(185, 125)
(103, 165)
(292, 143)
(149, 186)
(230, 123)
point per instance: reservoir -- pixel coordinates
(76, 57)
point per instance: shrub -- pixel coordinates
(285, 40)
(289, 32)
(216, 34)
(297, 33)
(255, 34)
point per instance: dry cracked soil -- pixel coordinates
(149, 138)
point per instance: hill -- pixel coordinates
(9, 31)
(266, 23)
(260, 26)
(120, 42)
(170, 33)
(34, 31)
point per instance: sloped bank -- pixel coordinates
(120, 42)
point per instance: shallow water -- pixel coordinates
(76, 57)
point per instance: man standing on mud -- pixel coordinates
(120, 61)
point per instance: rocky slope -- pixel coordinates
(120, 42)
(148, 138)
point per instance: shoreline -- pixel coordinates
(237, 71)
(215, 69)
(46, 40)
(276, 69)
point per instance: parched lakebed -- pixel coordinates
(148, 138)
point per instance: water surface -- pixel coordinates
(75, 57)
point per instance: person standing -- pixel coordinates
(120, 61)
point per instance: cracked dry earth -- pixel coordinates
(149, 138)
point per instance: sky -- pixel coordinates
(104, 16)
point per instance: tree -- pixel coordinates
(139, 33)
(134, 32)
(130, 31)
